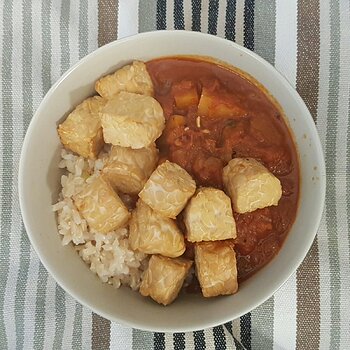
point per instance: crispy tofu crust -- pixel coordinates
(128, 169)
(168, 189)
(164, 278)
(81, 132)
(131, 78)
(208, 216)
(101, 206)
(216, 268)
(250, 185)
(152, 233)
(132, 120)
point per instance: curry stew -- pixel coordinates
(214, 114)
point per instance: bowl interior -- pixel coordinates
(39, 182)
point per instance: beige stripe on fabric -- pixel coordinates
(107, 21)
(308, 301)
(308, 274)
(239, 26)
(308, 53)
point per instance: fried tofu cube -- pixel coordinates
(128, 169)
(168, 189)
(208, 216)
(131, 78)
(132, 120)
(101, 207)
(216, 268)
(164, 278)
(219, 104)
(250, 185)
(81, 132)
(185, 94)
(152, 233)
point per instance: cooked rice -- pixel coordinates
(108, 255)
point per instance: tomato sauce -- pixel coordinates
(214, 114)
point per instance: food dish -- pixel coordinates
(39, 179)
(218, 118)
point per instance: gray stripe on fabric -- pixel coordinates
(265, 29)
(262, 326)
(147, 15)
(60, 316)
(101, 332)
(27, 58)
(46, 83)
(83, 28)
(21, 287)
(46, 50)
(348, 177)
(142, 340)
(7, 163)
(40, 308)
(331, 146)
(64, 36)
(77, 327)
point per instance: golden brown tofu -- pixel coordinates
(216, 268)
(128, 169)
(168, 189)
(208, 216)
(152, 233)
(250, 185)
(81, 132)
(101, 207)
(131, 78)
(219, 104)
(164, 278)
(132, 120)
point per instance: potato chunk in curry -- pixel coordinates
(164, 278)
(152, 233)
(101, 206)
(128, 169)
(250, 185)
(81, 132)
(185, 94)
(168, 189)
(218, 103)
(208, 216)
(132, 120)
(131, 78)
(216, 268)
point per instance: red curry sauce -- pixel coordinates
(236, 119)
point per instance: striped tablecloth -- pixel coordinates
(307, 40)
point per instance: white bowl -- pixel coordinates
(39, 182)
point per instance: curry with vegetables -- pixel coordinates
(213, 114)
